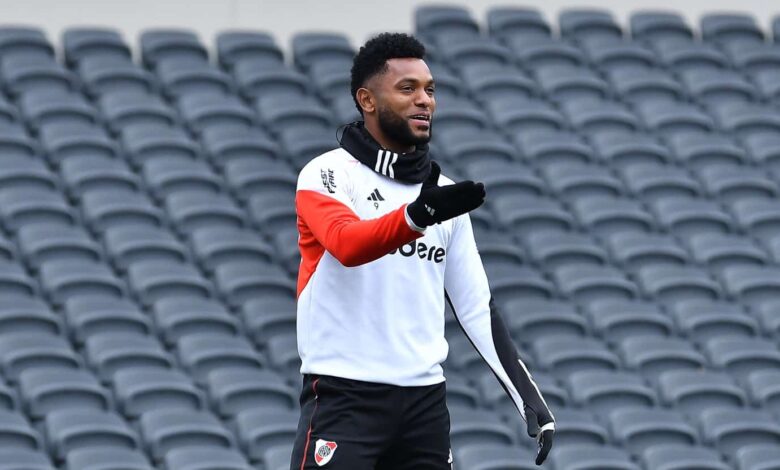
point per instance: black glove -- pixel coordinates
(541, 427)
(439, 203)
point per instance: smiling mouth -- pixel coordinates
(421, 120)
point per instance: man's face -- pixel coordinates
(405, 102)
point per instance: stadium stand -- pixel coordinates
(631, 234)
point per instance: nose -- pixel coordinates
(423, 99)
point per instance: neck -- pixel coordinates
(373, 128)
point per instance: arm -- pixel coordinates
(323, 206)
(467, 290)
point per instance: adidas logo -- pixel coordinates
(430, 209)
(375, 196)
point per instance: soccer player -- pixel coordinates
(384, 238)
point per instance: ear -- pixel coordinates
(366, 100)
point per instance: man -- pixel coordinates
(383, 238)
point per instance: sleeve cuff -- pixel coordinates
(411, 224)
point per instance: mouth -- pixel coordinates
(421, 120)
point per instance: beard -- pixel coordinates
(397, 129)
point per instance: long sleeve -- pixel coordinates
(467, 289)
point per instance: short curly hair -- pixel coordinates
(372, 58)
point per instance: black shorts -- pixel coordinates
(352, 425)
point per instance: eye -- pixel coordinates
(430, 90)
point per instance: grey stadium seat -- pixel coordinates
(201, 353)
(123, 109)
(690, 391)
(531, 214)
(525, 116)
(310, 48)
(181, 45)
(731, 429)
(43, 243)
(25, 351)
(730, 183)
(104, 43)
(18, 433)
(106, 458)
(563, 355)
(257, 80)
(434, 20)
(300, 113)
(47, 389)
(751, 284)
(603, 391)
(165, 430)
(563, 83)
(236, 46)
(768, 316)
(691, 55)
(259, 429)
(20, 314)
(579, 427)
(636, 250)
(128, 244)
(689, 216)
(758, 216)
(532, 50)
(619, 150)
(636, 429)
(103, 76)
(299, 149)
(45, 107)
(16, 282)
(586, 457)
(63, 141)
(197, 458)
(87, 315)
(265, 317)
(224, 146)
(527, 320)
(673, 283)
(716, 89)
(762, 385)
(571, 181)
(15, 141)
(659, 25)
(282, 353)
(623, 54)
(601, 116)
(589, 25)
(478, 427)
(24, 76)
(239, 281)
(637, 85)
(85, 173)
(731, 29)
(478, 50)
(147, 140)
(741, 356)
(30, 41)
(63, 278)
(651, 355)
(488, 83)
(509, 282)
(614, 319)
(15, 459)
(104, 208)
(26, 172)
(586, 283)
(603, 215)
(747, 119)
(493, 457)
(26, 205)
(758, 456)
(141, 389)
(504, 22)
(496, 399)
(67, 430)
(680, 457)
(551, 249)
(700, 320)
(154, 279)
(471, 147)
(180, 79)
(234, 390)
(177, 316)
(191, 209)
(205, 110)
(166, 177)
(719, 251)
(671, 119)
(108, 353)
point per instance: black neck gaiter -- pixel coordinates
(412, 167)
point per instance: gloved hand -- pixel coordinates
(439, 203)
(542, 427)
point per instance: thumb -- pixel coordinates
(532, 421)
(433, 176)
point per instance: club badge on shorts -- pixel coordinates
(323, 451)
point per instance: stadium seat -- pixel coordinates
(42, 243)
(154, 279)
(64, 278)
(729, 183)
(672, 283)
(747, 119)
(493, 457)
(234, 390)
(278, 457)
(482, 427)
(103, 209)
(287, 112)
(731, 29)
(141, 389)
(578, 427)
(766, 83)
(198, 458)
(490, 83)
(563, 355)
(21, 172)
(331, 80)
(299, 149)
(719, 251)
(85, 172)
(636, 429)
(565, 83)
(15, 459)
(639, 86)
(508, 282)
(619, 150)
(701, 320)
(690, 391)
(257, 80)
(44, 107)
(592, 115)
(309, 48)
(15, 142)
(506, 21)
(545, 148)
(178, 316)
(237, 46)
(126, 109)
(751, 284)
(461, 393)
(18, 433)
(691, 55)
(613, 320)
(25, 76)
(23, 315)
(50, 389)
(531, 214)
(762, 385)
(478, 148)
(26, 41)
(165, 430)
(214, 246)
(527, 320)
(603, 215)
(282, 354)
(68, 429)
(741, 356)
(106, 458)
(166, 177)
(768, 316)
(225, 146)
(206, 110)
(463, 358)
(532, 50)
(171, 45)
(586, 283)
(22, 206)
(16, 282)
(63, 142)
(758, 456)
(267, 316)
(589, 25)
(525, 116)
(652, 355)
(552, 249)
(249, 177)
(681, 456)
(505, 177)
(621, 55)
(434, 20)
(570, 182)
(103, 43)
(259, 429)
(102, 76)
(128, 244)
(659, 25)
(759, 217)
(110, 352)
(87, 315)
(239, 281)
(716, 89)
(635, 250)
(180, 79)
(672, 119)
(687, 217)
(192, 209)
(603, 391)
(731, 429)
(582, 457)
(201, 353)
